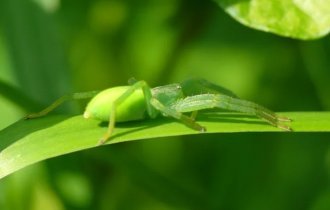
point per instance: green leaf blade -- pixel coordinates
(292, 18)
(30, 141)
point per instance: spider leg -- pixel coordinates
(112, 118)
(194, 115)
(208, 101)
(197, 86)
(55, 104)
(188, 121)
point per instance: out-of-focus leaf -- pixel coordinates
(35, 49)
(18, 97)
(303, 19)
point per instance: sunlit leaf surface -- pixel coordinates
(303, 19)
(29, 141)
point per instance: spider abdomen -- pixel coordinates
(132, 108)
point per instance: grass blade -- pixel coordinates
(30, 141)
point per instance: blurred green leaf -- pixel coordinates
(293, 18)
(35, 49)
(18, 97)
(30, 141)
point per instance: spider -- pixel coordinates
(138, 101)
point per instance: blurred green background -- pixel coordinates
(52, 47)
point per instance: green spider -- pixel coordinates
(138, 101)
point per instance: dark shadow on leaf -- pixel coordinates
(230, 118)
(24, 127)
(138, 125)
(211, 116)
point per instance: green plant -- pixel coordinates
(283, 18)
(39, 139)
(49, 49)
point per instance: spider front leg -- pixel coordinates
(255, 109)
(188, 121)
(152, 112)
(208, 101)
(193, 115)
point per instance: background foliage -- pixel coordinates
(48, 48)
